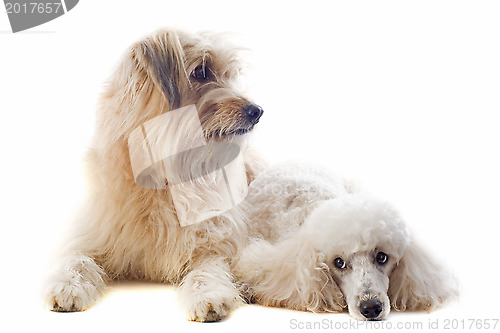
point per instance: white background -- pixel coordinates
(400, 95)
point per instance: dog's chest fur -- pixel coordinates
(138, 233)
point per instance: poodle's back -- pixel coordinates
(281, 197)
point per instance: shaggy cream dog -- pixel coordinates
(319, 244)
(129, 232)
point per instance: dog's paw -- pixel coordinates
(208, 309)
(208, 293)
(72, 296)
(76, 286)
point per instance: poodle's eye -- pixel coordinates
(201, 73)
(381, 258)
(339, 263)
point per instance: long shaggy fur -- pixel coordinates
(127, 232)
(302, 219)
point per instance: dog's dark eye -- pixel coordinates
(201, 73)
(381, 258)
(339, 263)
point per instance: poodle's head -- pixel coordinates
(362, 240)
(354, 251)
(371, 258)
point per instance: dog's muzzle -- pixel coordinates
(370, 309)
(252, 113)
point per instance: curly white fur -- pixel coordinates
(302, 219)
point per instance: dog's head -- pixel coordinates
(169, 70)
(373, 260)
(363, 239)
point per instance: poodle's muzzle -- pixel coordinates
(371, 309)
(364, 284)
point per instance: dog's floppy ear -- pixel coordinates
(289, 274)
(163, 56)
(419, 283)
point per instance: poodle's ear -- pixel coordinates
(418, 283)
(289, 274)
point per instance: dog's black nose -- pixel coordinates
(253, 113)
(371, 308)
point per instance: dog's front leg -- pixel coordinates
(208, 292)
(78, 283)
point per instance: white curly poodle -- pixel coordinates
(318, 244)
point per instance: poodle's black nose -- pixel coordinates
(253, 113)
(371, 308)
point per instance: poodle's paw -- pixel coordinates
(72, 296)
(210, 309)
